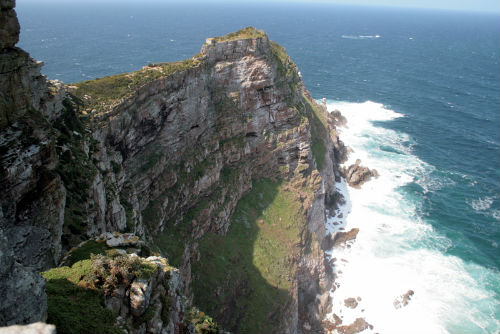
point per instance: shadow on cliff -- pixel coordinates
(244, 279)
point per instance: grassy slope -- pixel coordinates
(318, 131)
(245, 33)
(102, 93)
(72, 306)
(75, 304)
(250, 269)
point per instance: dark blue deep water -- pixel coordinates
(439, 69)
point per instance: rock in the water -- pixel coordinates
(351, 302)
(337, 118)
(357, 326)
(35, 328)
(403, 300)
(356, 174)
(341, 239)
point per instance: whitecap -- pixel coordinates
(360, 36)
(482, 204)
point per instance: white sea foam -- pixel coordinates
(395, 249)
(360, 36)
(482, 204)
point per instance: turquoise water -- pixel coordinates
(438, 70)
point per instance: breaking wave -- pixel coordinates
(396, 249)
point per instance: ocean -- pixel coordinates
(420, 90)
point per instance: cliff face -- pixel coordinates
(223, 151)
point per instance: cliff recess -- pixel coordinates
(223, 164)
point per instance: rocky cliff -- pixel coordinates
(222, 163)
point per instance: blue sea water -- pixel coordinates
(426, 81)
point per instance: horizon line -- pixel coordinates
(283, 2)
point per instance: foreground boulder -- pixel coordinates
(120, 292)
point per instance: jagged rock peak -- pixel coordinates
(9, 25)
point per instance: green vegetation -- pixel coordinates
(286, 66)
(129, 213)
(245, 33)
(75, 294)
(147, 316)
(74, 167)
(86, 250)
(73, 306)
(116, 167)
(109, 271)
(165, 309)
(203, 324)
(318, 131)
(150, 162)
(287, 69)
(102, 93)
(172, 240)
(201, 168)
(251, 267)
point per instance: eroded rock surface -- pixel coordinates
(356, 175)
(342, 239)
(24, 243)
(22, 295)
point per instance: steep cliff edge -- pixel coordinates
(222, 163)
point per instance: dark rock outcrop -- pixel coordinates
(337, 119)
(9, 25)
(342, 239)
(23, 245)
(22, 295)
(356, 175)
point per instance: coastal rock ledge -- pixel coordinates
(219, 168)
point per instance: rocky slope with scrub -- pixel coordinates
(221, 165)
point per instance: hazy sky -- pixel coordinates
(462, 5)
(467, 5)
